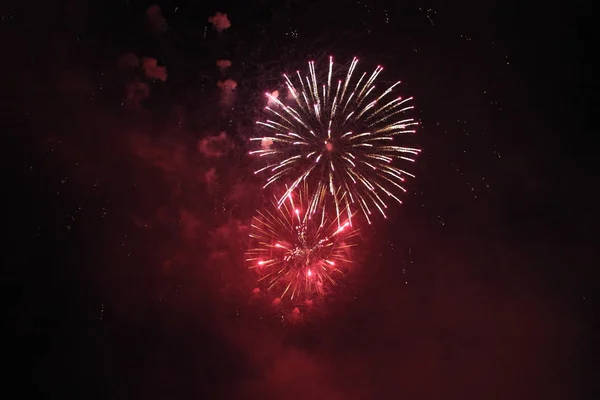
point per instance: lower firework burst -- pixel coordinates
(297, 251)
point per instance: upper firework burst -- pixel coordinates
(340, 136)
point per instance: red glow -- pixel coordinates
(309, 273)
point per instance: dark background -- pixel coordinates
(124, 276)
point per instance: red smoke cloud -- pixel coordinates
(219, 21)
(152, 70)
(135, 93)
(215, 146)
(223, 64)
(156, 21)
(169, 156)
(128, 62)
(227, 91)
(137, 89)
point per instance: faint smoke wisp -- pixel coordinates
(135, 93)
(227, 91)
(215, 146)
(128, 62)
(156, 21)
(223, 64)
(152, 70)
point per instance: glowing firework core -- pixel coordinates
(328, 145)
(308, 251)
(295, 251)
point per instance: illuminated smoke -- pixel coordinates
(266, 143)
(128, 62)
(289, 95)
(215, 146)
(155, 19)
(210, 177)
(220, 21)
(74, 82)
(152, 70)
(135, 93)
(223, 64)
(227, 91)
(272, 100)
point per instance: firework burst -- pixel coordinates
(298, 251)
(340, 136)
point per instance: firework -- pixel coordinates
(340, 136)
(298, 251)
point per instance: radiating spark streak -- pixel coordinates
(334, 105)
(369, 81)
(265, 124)
(274, 178)
(286, 162)
(348, 116)
(359, 135)
(310, 89)
(378, 157)
(371, 139)
(389, 193)
(390, 105)
(386, 92)
(369, 106)
(349, 160)
(264, 168)
(290, 123)
(348, 76)
(348, 100)
(393, 172)
(360, 100)
(329, 75)
(262, 151)
(394, 183)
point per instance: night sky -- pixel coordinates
(128, 207)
